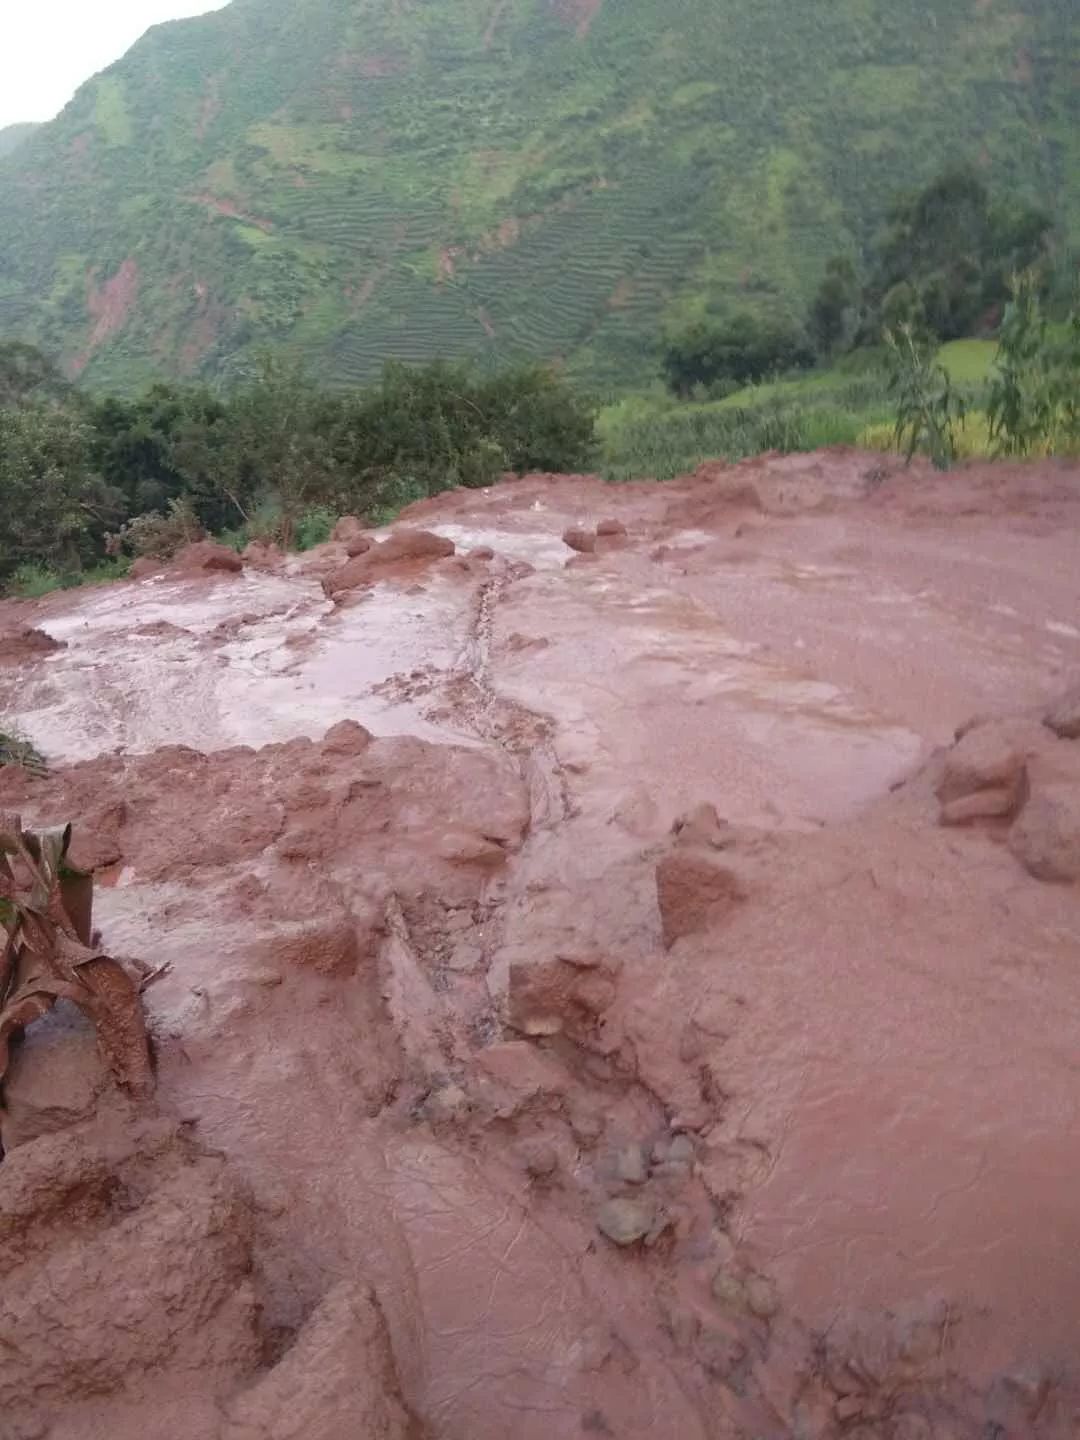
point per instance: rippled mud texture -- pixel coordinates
(624, 985)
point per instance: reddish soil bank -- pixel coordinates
(622, 987)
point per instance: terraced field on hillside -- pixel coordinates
(504, 179)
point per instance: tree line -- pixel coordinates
(84, 478)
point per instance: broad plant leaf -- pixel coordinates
(47, 954)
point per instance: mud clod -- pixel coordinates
(19, 646)
(583, 541)
(548, 997)
(347, 738)
(1063, 716)
(696, 892)
(208, 555)
(985, 776)
(1046, 837)
(703, 827)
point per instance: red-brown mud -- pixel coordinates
(604, 996)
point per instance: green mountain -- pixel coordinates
(12, 136)
(352, 180)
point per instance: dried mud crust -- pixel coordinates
(556, 1087)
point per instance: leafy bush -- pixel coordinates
(15, 749)
(314, 527)
(158, 536)
(55, 510)
(138, 447)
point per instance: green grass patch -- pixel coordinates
(653, 434)
(30, 582)
(111, 111)
(969, 362)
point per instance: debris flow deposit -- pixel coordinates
(583, 961)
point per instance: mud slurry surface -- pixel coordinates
(604, 997)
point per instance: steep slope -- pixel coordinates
(12, 136)
(502, 178)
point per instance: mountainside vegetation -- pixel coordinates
(12, 136)
(511, 181)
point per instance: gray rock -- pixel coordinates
(682, 1149)
(728, 1290)
(630, 1165)
(625, 1222)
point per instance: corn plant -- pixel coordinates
(1034, 402)
(928, 409)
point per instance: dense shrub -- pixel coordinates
(741, 349)
(157, 536)
(447, 425)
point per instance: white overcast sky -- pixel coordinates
(49, 47)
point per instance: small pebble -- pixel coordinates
(630, 1166)
(761, 1297)
(449, 1103)
(682, 1148)
(728, 1291)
